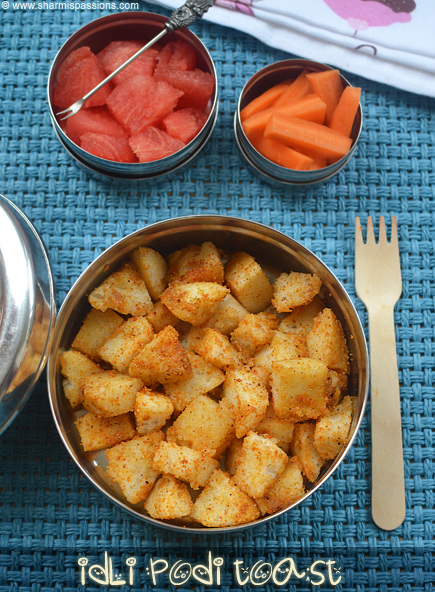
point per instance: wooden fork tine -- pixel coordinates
(370, 237)
(394, 240)
(382, 240)
(358, 233)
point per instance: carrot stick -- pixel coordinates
(310, 108)
(298, 89)
(344, 115)
(265, 100)
(328, 86)
(282, 155)
(319, 162)
(256, 124)
(306, 135)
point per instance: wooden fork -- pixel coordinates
(378, 284)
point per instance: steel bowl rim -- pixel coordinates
(121, 178)
(207, 220)
(80, 158)
(269, 177)
(330, 170)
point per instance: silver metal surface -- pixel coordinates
(75, 107)
(184, 16)
(267, 170)
(273, 249)
(187, 14)
(126, 26)
(27, 309)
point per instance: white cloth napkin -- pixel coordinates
(390, 41)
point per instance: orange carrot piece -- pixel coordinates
(306, 135)
(265, 100)
(256, 124)
(344, 115)
(319, 162)
(283, 155)
(328, 86)
(310, 108)
(298, 89)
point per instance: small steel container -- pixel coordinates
(141, 26)
(276, 252)
(267, 170)
(27, 310)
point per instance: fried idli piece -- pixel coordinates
(162, 360)
(194, 302)
(121, 347)
(169, 499)
(229, 313)
(326, 341)
(215, 348)
(110, 393)
(151, 411)
(303, 447)
(97, 432)
(294, 289)
(253, 331)
(160, 316)
(196, 263)
(97, 327)
(248, 282)
(130, 464)
(223, 503)
(301, 318)
(206, 377)
(191, 466)
(332, 430)
(152, 268)
(204, 423)
(300, 388)
(260, 463)
(247, 397)
(280, 429)
(75, 367)
(123, 291)
(288, 488)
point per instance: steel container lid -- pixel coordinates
(27, 309)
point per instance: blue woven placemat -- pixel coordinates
(50, 515)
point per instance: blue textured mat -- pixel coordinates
(50, 516)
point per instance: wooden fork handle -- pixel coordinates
(388, 483)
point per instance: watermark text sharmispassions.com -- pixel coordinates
(6, 4)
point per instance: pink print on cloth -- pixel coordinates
(244, 6)
(362, 14)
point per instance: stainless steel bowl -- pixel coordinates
(126, 26)
(266, 169)
(276, 251)
(27, 310)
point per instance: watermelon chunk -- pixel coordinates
(108, 147)
(141, 101)
(97, 120)
(177, 55)
(154, 144)
(184, 124)
(196, 85)
(118, 52)
(79, 74)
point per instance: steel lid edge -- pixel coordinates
(27, 309)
